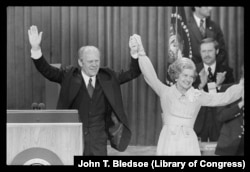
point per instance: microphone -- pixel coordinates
(34, 106)
(41, 106)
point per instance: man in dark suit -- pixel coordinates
(95, 92)
(231, 140)
(200, 26)
(211, 76)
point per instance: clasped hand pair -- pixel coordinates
(136, 47)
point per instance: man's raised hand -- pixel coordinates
(34, 38)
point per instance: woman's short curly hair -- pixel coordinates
(178, 66)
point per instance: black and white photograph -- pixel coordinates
(124, 81)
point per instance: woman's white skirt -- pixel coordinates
(178, 140)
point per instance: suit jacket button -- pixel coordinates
(239, 136)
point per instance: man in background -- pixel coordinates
(231, 139)
(212, 75)
(201, 26)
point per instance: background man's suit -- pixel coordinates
(212, 30)
(107, 99)
(207, 125)
(231, 140)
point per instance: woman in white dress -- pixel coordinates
(181, 103)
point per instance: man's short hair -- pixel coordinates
(210, 40)
(86, 49)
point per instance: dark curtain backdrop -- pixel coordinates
(66, 29)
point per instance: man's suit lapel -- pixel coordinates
(199, 67)
(209, 29)
(194, 28)
(107, 89)
(219, 68)
(75, 86)
(121, 137)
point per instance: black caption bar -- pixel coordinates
(159, 162)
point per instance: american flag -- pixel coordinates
(179, 39)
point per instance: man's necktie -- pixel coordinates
(210, 74)
(90, 87)
(202, 28)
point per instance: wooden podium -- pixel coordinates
(43, 137)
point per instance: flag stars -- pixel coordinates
(178, 21)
